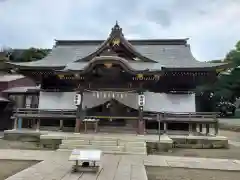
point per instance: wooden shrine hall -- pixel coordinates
(118, 83)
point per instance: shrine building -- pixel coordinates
(116, 83)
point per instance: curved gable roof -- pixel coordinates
(168, 53)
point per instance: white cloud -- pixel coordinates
(212, 25)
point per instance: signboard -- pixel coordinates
(141, 100)
(77, 99)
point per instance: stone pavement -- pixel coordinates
(55, 165)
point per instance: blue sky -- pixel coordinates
(212, 25)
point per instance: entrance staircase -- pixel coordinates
(106, 144)
(127, 129)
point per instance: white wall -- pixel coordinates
(169, 102)
(56, 100)
(154, 101)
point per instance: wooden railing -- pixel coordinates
(35, 112)
(164, 116)
(192, 114)
(184, 117)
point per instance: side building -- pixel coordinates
(122, 83)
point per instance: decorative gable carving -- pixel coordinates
(117, 45)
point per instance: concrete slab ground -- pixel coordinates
(55, 165)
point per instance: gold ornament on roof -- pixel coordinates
(140, 76)
(116, 41)
(61, 76)
(220, 70)
(108, 65)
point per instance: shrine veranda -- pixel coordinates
(128, 86)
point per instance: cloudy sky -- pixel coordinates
(212, 25)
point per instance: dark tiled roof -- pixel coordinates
(10, 77)
(61, 55)
(173, 53)
(23, 89)
(2, 99)
(133, 65)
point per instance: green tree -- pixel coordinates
(27, 55)
(228, 84)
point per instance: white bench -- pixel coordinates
(86, 160)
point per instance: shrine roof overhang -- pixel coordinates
(152, 54)
(131, 66)
(169, 56)
(145, 66)
(22, 90)
(199, 66)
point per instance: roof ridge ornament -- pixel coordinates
(116, 30)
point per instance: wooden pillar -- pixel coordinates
(207, 129)
(15, 125)
(33, 123)
(200, 127)
(20, 123)
(194, 127)
(85, 126)
(61, 125)
(165, 127)
(38, 125)
(141, 124)
(77, 125)
(96, 126)
(216, 128)
(190, 128)
(79, 115)
(159, 126)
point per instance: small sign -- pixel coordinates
(77, 99)
(141, 100)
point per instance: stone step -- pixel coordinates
(132, 144)
(136, 149)
(86, 137)
(97, 143)
(109, 152)
(103, 148)
(113, 130)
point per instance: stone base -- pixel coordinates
(23, 135)
(199, 142)
(165, 144)
(50, 143)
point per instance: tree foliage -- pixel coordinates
(228, 84)
(27, 55)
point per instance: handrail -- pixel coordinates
(70, 112)
(44, 111)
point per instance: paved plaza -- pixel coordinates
(54, 165)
